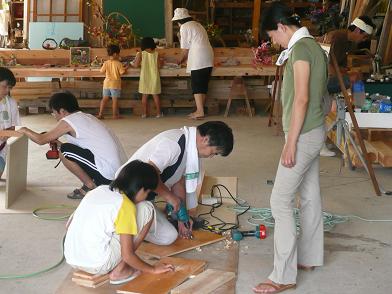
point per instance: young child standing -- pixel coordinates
(111, 222)
(113, 70)
(9, 114)
(150, 82)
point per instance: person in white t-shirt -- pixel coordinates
(92, 153)
(198, 53)
(109, 225)
(176, 156)
(9, 114)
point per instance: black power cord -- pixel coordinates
(221, 226)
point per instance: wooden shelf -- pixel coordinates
(234, 4)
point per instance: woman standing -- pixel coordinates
(198, 52)
(304, 83)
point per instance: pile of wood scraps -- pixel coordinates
(88, 280)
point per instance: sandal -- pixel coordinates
(79, 193)
(277, 288)
(100, 116)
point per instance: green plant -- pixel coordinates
(115, 29)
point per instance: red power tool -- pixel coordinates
(53, 153)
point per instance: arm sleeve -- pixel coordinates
(301, 52)
(125, 222)
(185, 38)
(165, 154)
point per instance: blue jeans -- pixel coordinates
(114, 93)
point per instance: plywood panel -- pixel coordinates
(200, 238)
(204, 283)
(163, 283)
(16, 170)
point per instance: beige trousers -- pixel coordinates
(307, 248)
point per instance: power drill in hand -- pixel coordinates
(53, 153)
(181, 214)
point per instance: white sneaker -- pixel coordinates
(326, 152)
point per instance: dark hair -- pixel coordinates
(219, 135)
(65, 100)
(135, 176)
(279, 13)
(184, 20)
(366, 19)
(111, 49)
(7, 75)
(147, 43)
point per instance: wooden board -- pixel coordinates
(205, 282)
(163, 283)
(16, 169)
(200, 238)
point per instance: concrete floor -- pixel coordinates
(357, 253)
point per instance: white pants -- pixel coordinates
(161, 232)
(308, 250)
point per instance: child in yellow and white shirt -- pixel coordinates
(111, 222)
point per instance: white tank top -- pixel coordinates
(95, 136)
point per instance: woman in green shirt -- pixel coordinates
(304, 83)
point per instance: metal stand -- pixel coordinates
(363, 155)
(343, 133)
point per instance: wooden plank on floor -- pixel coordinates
(163, 283)
(204, 283)
(200, 238)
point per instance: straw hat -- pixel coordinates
(180, 13)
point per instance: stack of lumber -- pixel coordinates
(378, 143)
(88, 280)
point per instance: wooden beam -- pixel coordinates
(168, 22)
(65, 10)
(50, 10)
(256, 20)
(35, 8)
(80, 11)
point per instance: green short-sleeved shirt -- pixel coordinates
(309, 50)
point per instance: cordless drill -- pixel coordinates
(181, 214)
(53, 153)
(260, 233)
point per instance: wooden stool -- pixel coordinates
(238, 88)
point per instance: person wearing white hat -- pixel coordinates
(341, 42)
(198, 53)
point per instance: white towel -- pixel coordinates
(298, 35)
(192, 168)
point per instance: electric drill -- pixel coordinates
(181, 214)
(53, 153)
(259, 233)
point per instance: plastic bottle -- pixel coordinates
(367, 104)
(359, 93)
(385, 105)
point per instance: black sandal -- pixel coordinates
(78, 194)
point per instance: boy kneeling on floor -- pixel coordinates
(110, 224)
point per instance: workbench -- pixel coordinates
(86, 82)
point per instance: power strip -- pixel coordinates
(209, 200)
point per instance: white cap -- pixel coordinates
(359, 23)
(180, 13)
